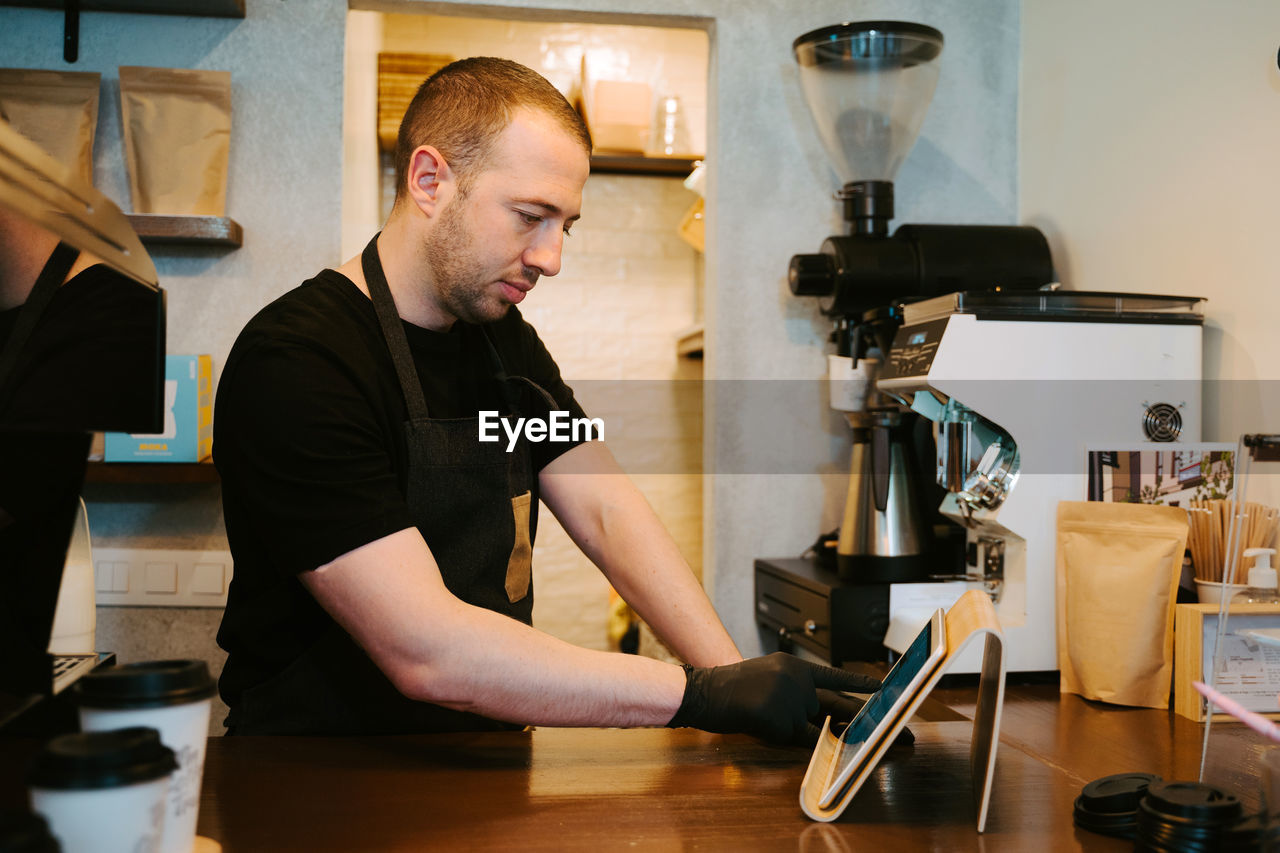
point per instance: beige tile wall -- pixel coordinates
(627, 288)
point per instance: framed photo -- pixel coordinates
(1167, 474)
(1251, 660)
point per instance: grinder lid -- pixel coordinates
(890, 41)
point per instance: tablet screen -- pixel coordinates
(895, 684)
(910, 670)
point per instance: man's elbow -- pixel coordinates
(424, 681)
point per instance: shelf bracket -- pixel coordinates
(71, 30)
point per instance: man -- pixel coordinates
(382, 579)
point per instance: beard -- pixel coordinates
(456, 260)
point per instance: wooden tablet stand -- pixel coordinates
(972, 616)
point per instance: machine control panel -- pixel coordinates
(913, 349)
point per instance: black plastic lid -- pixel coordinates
(1110, 805)
(102, 760)
(154, 684)
(1192, 801)
(1115, 794)
(25, 832)
(1119, 824)
(877, 41)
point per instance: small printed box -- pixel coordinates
(188, 417)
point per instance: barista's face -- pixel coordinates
(506, 227)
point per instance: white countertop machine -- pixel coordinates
(1018, 385)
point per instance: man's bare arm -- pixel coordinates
(389, 596)
(613, 524)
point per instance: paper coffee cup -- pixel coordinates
(172, 697)
(103, 792)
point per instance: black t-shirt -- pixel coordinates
(308, 438)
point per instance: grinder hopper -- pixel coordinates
(868, 86)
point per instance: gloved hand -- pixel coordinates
(842, 709)
(772, 697)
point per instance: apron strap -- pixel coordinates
(47, 283)
(398, 344)
(510, 385)
(393, 331)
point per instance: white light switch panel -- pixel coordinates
(161, 578)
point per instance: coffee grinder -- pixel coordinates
(868, 86)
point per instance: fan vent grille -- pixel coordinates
(1162, 422)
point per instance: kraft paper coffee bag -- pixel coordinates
(1118, 566)
(177, 139)
(57, 110)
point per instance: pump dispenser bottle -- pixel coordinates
(1262, 579)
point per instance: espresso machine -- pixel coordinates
(1020, 385)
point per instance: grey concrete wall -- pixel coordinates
(284, 187)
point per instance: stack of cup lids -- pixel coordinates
(1189, 817)
(1110, 805)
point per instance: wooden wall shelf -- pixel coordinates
(636, 164)
(689, 342)
(151, 473)
(71, 13)
(157, 230)
(199, 8)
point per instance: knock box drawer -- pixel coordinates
(783, 604)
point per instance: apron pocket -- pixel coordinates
(520, 564)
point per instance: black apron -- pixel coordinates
(476, 506)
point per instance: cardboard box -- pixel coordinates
(1250, 673)
(188, 417)
(619, 115)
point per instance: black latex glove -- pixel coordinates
(772, 697)
(842, 709)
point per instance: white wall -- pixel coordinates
(1150, 155)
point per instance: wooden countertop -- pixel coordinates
(660, 789)
(599, 789)
(1089, 740)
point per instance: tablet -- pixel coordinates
(867, 736)
(840, 766)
